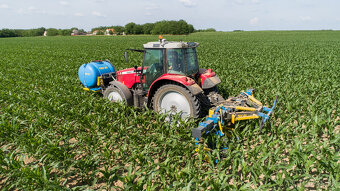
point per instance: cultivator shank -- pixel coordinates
(231, 110)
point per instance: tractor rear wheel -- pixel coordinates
(176, 99)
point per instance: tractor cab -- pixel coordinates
(166, 57)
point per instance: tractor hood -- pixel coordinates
(128, 70)
(128, 76)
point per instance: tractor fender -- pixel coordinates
(211, 82)
(125, 91)
(187, 82)
(184, 80)
(208, 78)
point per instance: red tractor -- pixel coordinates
(170, 80)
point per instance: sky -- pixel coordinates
(223, 15)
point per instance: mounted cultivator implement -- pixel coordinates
(227, 112)
(170, 81)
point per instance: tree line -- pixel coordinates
(38, 32)
(21, 32)
(63, 32)
(206, 30)
(161, 27)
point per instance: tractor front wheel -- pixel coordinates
(176, 99)
(117, 92)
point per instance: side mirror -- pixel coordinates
(126, 54)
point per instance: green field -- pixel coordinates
(54, 135)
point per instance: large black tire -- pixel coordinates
(118, 92)
(176, 99)
(208, 99)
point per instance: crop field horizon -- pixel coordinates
(55, 136)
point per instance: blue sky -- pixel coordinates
(223, 15)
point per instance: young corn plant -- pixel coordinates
(55, 136)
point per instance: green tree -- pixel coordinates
(65, 32)
(159, 28)
(130, 27)
(81, 31)
(147, 28)
(52, 32)
(40, 31)
(138, 29)
(33, 32)
(206, 30)
(8, 33)
(210, 30)
(100, 32)
(172, 27)
(118, 29)
(191, 28)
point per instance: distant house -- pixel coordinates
(107, 31)
(95, 32)
(75, 32)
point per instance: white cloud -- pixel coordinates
(188, 3)
(20, 11)
(64, 3)
(238, 2)
(305, 18)
(148, 14)
(152, 7)
(26, 11)
(78, 14)
(32, 8)
(4, 6)
(254, 21)
(245, 2)
(95, 13)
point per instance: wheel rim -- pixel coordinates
(115, 97)
(174, 102)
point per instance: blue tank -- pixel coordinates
(89, 73)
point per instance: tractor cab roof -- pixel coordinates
(162, 43)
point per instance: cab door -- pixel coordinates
(152, 66)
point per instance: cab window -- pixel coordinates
(175, 60)
(182, 61)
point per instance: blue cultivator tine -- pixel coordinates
(262, 123)
(264, 116)
(273, 106)
(198, 141)
(250, 91)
